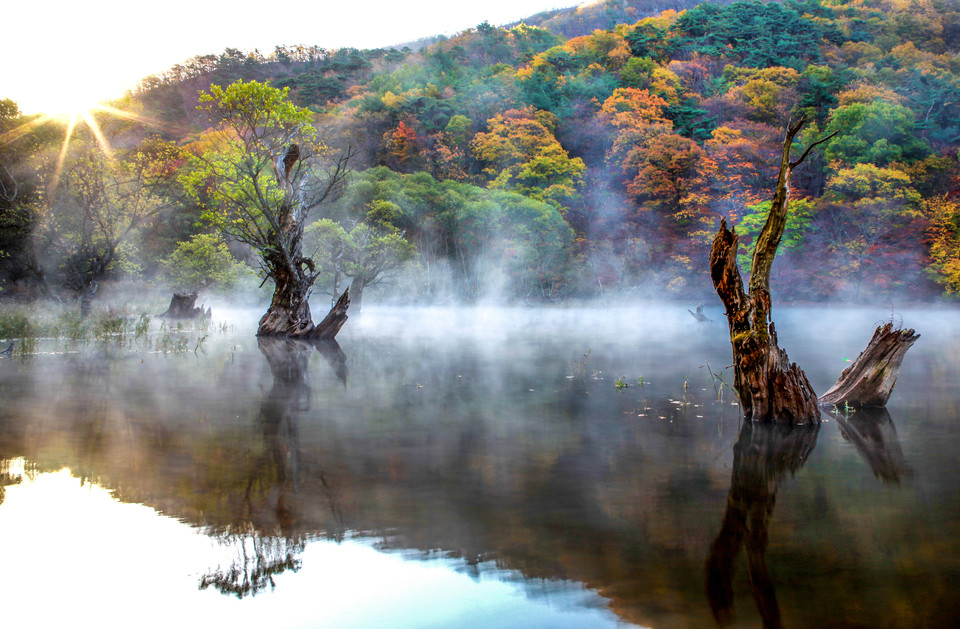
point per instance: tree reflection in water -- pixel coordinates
(872, 433)
(8, 476)
(762, 457)
(258, 558)
(262, 553)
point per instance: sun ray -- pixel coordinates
(134, 117)
(71, 123)
(21, 130)
(98, 134)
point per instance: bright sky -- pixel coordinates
(61, 54)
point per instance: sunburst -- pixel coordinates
(81, 114)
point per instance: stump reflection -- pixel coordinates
(872, 433)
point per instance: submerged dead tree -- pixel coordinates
(183, 306)
(870, 379)
(260, 172)
(770, 387)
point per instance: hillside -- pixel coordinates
(593, 151)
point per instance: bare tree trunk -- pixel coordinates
(769, 386)
(356, 291)
(289, 315)
(87, 294)
(870, 379)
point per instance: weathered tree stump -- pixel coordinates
(182, 307)
(698, 315)
(870, 379)
(331, 324)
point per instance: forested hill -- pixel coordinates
(593, 151)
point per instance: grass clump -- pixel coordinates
(16, 323)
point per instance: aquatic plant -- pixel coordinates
(15, 324)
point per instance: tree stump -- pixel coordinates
(870, 379)
(182, 307)
(331, 324)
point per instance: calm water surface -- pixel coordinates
(476, 468)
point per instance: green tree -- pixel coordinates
(203, 263)
(260, 171)
(98, 206)
(876, 133)
(799, 213)
(22, 143)
(754, 33)
(366, 255)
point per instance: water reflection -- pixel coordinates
(508, 459)
(256, 560)
(872, 433)
(11, 473)
(762, 457)
(265, 541)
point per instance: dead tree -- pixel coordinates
(870, 379)
(182, 307)
(770, 387)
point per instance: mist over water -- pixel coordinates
(482, 466)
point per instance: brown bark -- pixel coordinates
(870, 379)
(182, 307)
(294, 275)
(289, 315)
(769, 386)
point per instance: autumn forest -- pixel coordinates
(583, 153)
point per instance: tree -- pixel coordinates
(98, 205)
(521, 153)
(746, 153)
(876, 133)
(202, 262)
(671, 174)
(22, 139)
(769, 95)
(769, 386)
(866, 216)
(376, 250)
(944, 235)
(756, 34)
(795, 229)
(260, 173)
(366, 254)
(637, 116)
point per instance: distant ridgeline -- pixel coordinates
(590, 152)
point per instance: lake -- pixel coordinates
(476, 467)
